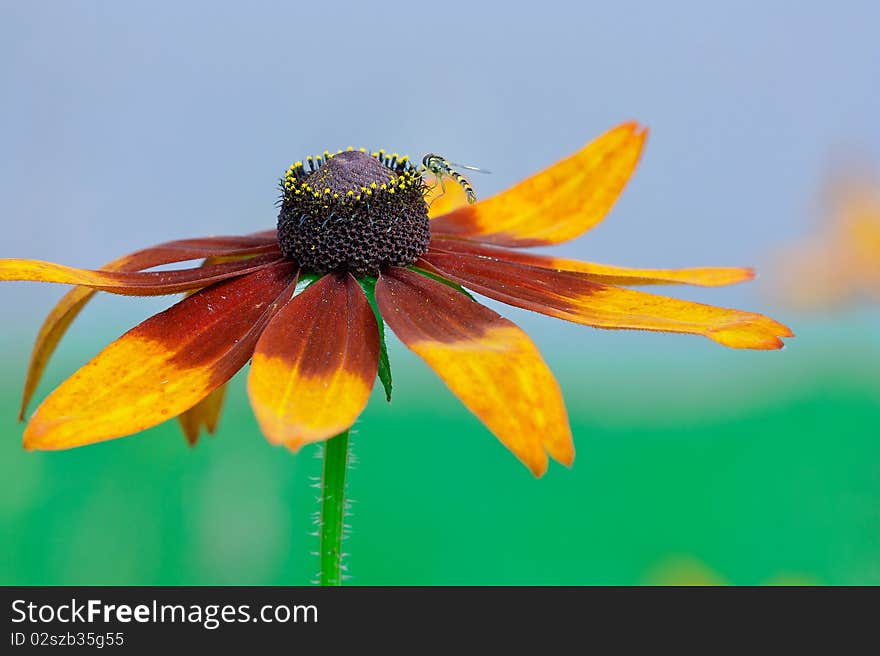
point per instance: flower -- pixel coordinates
(355, 249)
(840, 263)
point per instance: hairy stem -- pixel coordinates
(333, 508)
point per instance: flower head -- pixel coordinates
(353, 212)
(354, 249)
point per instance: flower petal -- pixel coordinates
(271, 235)
(442, 202)
(571, 297)
(204, 414)
(151, 283)
(258, 242)
(491, 365)
(315, 364)
(197, 248)
(602, 273)
(51, 332)
(72, 303)
(162, 367)
(557, 204)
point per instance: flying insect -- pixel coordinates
(441, 167)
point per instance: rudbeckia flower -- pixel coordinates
(839, 264)
(356, 248)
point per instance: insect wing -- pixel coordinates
(467, 167)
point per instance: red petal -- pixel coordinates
(316, 363)
(162, 367)
(490, 364)
(573, 298)
(181, 250)
(601, 273)
(72, 303)
(152, 283)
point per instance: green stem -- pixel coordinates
(333, 508)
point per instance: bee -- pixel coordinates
(440, 167)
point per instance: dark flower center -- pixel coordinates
(353, 211)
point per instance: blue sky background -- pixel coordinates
(129, 123)
(124, 124)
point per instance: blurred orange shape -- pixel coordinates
(839, 264)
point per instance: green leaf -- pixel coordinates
(306, 279)
(369, 286)
(448, 283)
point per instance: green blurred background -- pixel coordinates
(695, 465)
(128, 124)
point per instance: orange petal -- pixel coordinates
(153, 283)
(602, 273)
(71, 304)
(489, 363)
(204, 414)
(315, 364)
(162, 367)
(442, 202)
(51, 332)
(573, 298)
(557, 204)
